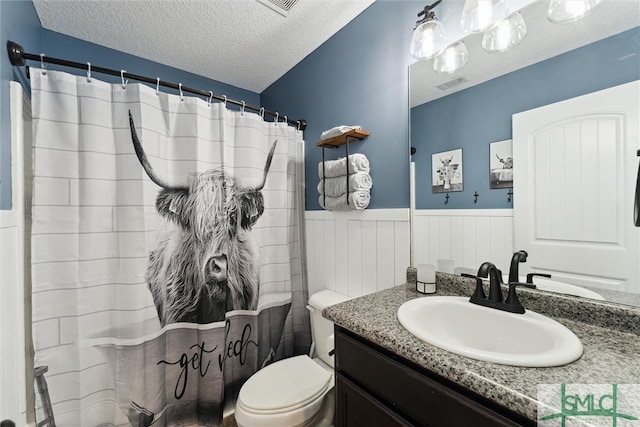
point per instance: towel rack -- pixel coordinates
(335, 142)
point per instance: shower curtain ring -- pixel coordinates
(275, 122)
(89, 72)
(286, 120)
(298, 125)
(181, 94)
(242, 110)
(157, 85)
(262, 113)
(124, 83)
(210, 98)
(43, 65)
(225, 101)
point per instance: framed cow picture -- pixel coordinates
(501, 164)
(446, 175)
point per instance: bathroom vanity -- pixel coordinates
(374, 387)
(386, 376)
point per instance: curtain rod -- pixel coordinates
(17, 56)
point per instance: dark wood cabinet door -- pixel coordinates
(356, 408)
(417, 396)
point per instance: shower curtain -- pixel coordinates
(166, 251)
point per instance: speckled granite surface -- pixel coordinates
(610, 335)
(626, 298)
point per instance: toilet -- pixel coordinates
(296, 391)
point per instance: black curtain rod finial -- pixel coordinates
(15, 52)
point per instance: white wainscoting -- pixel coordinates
(357, 252)
(16, 367)
(467, 236)
(12, 368)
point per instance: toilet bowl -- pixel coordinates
(290, 392)
(297, 391)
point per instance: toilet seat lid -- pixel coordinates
(284, 385)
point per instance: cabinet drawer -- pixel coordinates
(423, 399)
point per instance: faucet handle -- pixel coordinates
(512, 303)
(530, 277)
(479, 292)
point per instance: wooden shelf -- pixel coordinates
(339, 140)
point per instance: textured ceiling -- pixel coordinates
(243, 43)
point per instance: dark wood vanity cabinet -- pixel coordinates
(377, 388)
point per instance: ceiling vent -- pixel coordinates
(281, 6)
(451, 83)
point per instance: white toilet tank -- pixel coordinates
(321, 328)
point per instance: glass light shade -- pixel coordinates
(479, 15)
(505, 35)
(454, 57)
(564, 11)
(428, 39)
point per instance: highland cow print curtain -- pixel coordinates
(166, 260)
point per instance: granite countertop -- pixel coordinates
(610, 335)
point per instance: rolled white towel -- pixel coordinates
(337, 131)
(357, 200)
(338, 186)
(358, 162)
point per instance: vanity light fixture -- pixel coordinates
(505, 35)
(454, 57)
(479, 15)
(429, 36)
(565, 11)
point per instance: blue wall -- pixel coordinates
(473, 118)
(357, 77)
(19, 23)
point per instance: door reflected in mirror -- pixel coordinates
(474, 108)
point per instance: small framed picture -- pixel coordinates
(501, 164)
(446, 176)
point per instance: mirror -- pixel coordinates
(473, 107)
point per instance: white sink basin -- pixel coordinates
(456, 325)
